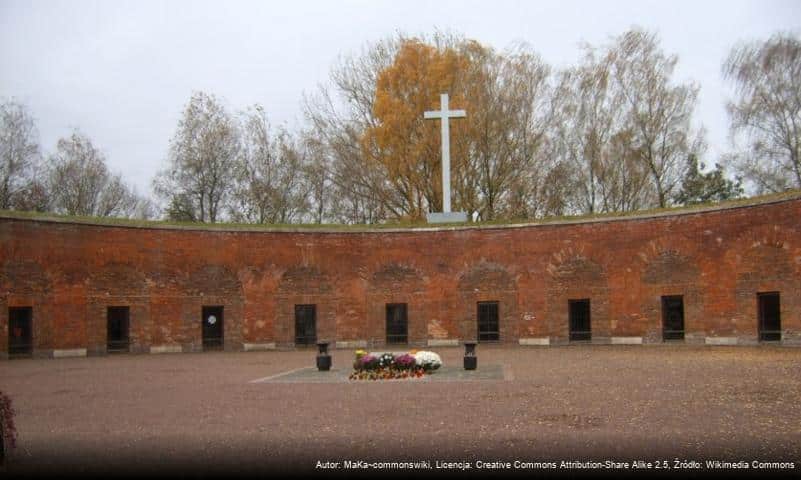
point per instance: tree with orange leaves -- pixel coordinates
(402, 144)
(384, 158)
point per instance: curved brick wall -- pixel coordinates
(717, 259)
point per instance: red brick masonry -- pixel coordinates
(718, 259)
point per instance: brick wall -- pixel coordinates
(717, 260)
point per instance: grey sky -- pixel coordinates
(122, 71)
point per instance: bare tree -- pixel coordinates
(658, 112)
(599, 137)
(144, 208)
(202, 162)
(81, 184)
(35, 196)
(338, 115)
(536, 183)
(317, 178)
(19, 155)
(590, 115)
(271, 184)
(625, 183)
(509, 130)
(766, 113)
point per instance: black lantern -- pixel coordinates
(470, 358)
(323, 358)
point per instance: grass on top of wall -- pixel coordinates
(127, 222)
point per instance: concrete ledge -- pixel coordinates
(443, 342)
(626, 340)
(720, 340)
(255, 347)
(351, 344)
(446, 217)
(694, 338)
(360, 229)
(166, 349)
(72, 352)
(791, 339)
(535, 341)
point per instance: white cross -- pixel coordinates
(445, 114)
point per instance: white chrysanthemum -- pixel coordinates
(428, 360)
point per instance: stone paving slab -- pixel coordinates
(337, 375)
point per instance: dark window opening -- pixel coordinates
(20, 332)
(117, 329)
(305, 324)
(580, 329)
(212, 328)
(488, 330)
(673, 318)
(397, 323)
(770, 324)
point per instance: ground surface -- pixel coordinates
(205, 412)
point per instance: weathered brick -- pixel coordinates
(717, 259)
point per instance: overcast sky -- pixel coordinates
(121, 72)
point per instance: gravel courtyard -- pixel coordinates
(204, 413)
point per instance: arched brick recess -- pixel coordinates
(574, 275)
(668, 271)
(482, 282)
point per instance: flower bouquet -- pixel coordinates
(388, 366)
(428, 361)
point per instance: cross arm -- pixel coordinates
(446, 114)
